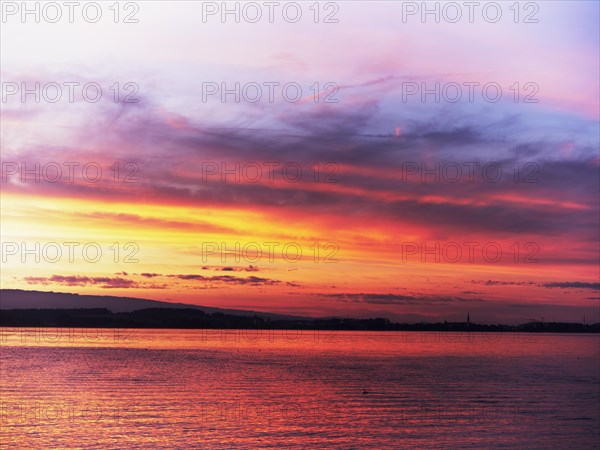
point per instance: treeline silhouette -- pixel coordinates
(192, 318)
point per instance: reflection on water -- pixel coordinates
(77, 388)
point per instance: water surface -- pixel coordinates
(75, 388)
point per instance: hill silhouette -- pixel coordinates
(189, 318)
(21, 299)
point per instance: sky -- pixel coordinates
(392, 166)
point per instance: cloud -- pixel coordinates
(504, 283)
(552, 285)
(229, 279)
(76, 280)
(252, 280)
(371, 165)
(249, 268)
(573, 284)
(396, 299)
(123, 283)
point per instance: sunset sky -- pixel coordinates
(341, 183)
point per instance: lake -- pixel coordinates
(107, 388)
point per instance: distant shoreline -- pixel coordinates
(190, 319)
